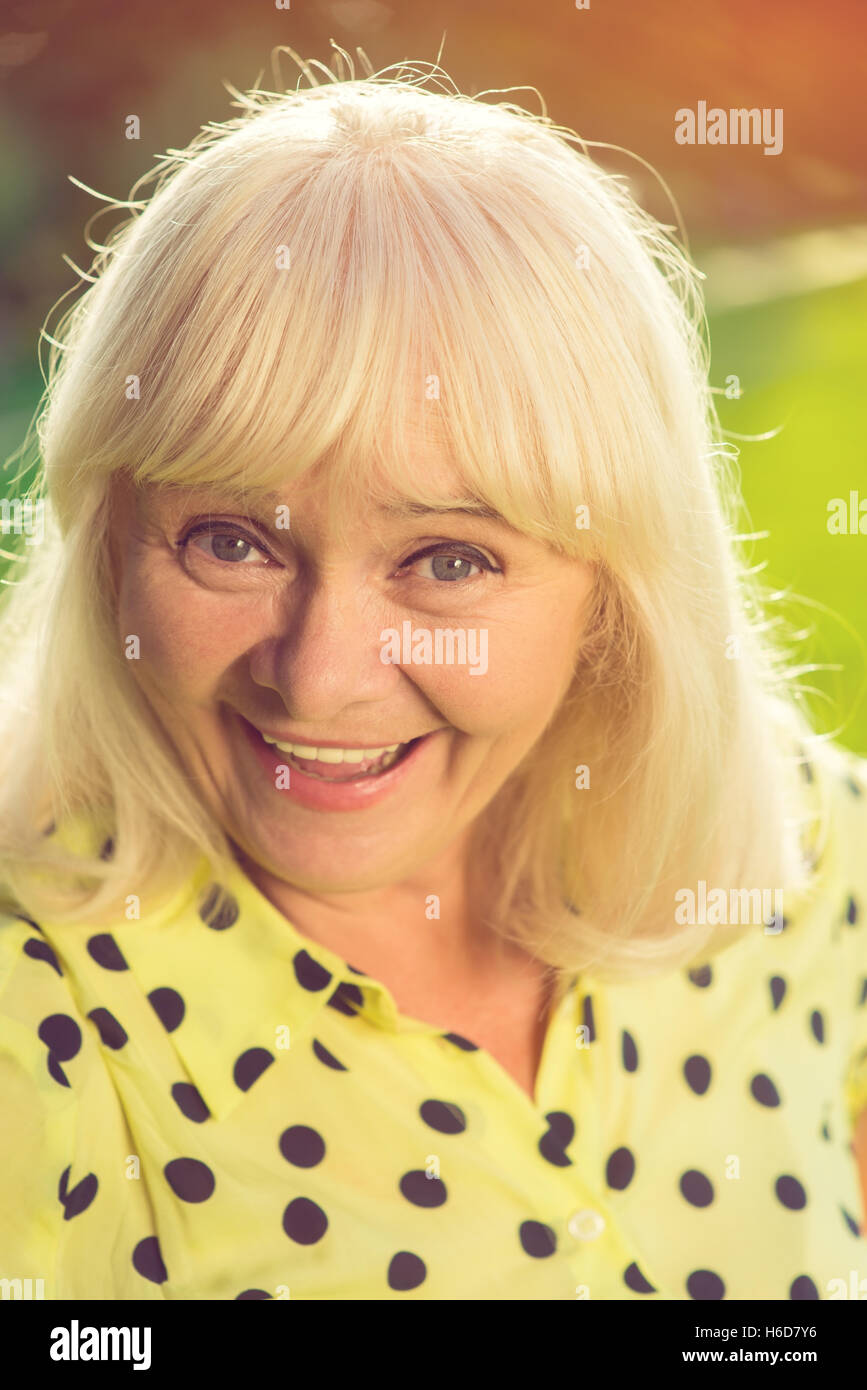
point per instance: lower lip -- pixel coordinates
(333, 796)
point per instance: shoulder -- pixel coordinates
(838, 786)
(40, 1027)
(812, 954)
(840, 778)
(40, 1035)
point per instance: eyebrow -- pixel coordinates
(407, 508)
(400, 507)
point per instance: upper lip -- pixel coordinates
(333, 743)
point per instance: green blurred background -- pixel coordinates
(782, 239)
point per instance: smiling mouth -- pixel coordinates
(341, 764)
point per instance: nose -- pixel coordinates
(325, 657)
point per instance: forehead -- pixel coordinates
(426, 482)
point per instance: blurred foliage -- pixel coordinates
(801, 366)
(71, 71)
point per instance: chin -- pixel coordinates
(326, 867)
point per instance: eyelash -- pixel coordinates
(455, 551)
(451, 549)
(212, 528)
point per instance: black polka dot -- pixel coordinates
(790, 1192)
(55, 1070)
(304, 1221)
(218, 909)
(406, 1271)
(106, 952)
(40, 950)
(702, 976)
(80, 1197)
(817, 1025)
(696, 1188)
(704, 1284)
(629, 1052)
(148, 1261)
(442, 1116)
(560, 1133)
(863, 995)
(111, 1034)
(309, 973)
(803, 1287)
(190, 1179)
(107, 851)
(250, 1066)
(302, 1146)
(457, 1040)
(168, 1006)
(347, 999)
(635, 1280)
(61, 1035)
(850, 1222)
(853, 786)
(778, 990)
(852, 912)
(826, 1133)
(189, 1101)
(252, 1293)
(620, 1169)
(537, 1239)
(764, 1090)
(421, 1190)
(587, 1017)
(326, 1057)
(697, 1071)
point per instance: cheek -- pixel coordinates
(529, 669)
(187, 636)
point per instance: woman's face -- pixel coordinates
(251, 631)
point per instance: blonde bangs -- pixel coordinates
(336, 303)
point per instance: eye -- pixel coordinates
(451, 564)
(224, 544)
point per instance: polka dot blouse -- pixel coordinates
(204, 1104)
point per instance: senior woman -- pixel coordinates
(419, 880)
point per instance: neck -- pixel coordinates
(428, 922)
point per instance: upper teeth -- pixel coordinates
(332, 755)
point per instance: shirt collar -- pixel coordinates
(234, 983)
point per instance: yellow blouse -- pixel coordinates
(204, 1104)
